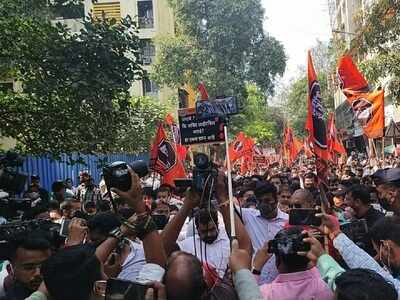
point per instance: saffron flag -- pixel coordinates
(292, 146)
(368, 107)
(315, 123)
(307, 149)
(236, 148)
(350, 79)
(164, 159)
(334, 143)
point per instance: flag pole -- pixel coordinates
(230, 191)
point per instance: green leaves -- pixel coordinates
(221, 43)
(75, 86)
(379, 35)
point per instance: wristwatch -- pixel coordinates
(255, 271)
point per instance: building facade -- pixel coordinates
(343, 14)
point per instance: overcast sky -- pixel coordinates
(297, 24)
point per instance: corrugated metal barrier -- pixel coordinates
(51, 170)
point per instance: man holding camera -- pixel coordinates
(295, 280)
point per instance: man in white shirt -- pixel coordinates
(263, 223)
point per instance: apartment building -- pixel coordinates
(155, 18)
(343, 14)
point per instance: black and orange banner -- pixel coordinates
(315, 124)
(164, 159)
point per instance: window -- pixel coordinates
(150, 88)
(68, 11)
(110, 10)
(148, 52)
(145, 14)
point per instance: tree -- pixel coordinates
(257, 119)
(136, 134)
(222, 43)
(379, 34)
(75, 86)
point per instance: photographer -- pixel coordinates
(362, 284)
(295, 280)
(384, 233)
(26, 257)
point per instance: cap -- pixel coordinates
(379, 177)
(340, 191)
(391, 176)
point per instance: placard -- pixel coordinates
(200, 131)
(217, 107)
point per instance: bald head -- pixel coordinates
(184, 278)
(302, 198)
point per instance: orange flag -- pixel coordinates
(164, 159)
(368, 107)
(349, 77)
(236, 148)
(315, 123)
(292, 145)
(334, 143)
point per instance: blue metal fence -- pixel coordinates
(51, 170)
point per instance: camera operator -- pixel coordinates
(295, 280)
(26, 258)
(263, 223)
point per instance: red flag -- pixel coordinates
(164, 159)
(236, 148)
(350, 78)
(334, 143)
(307, 149)
(203, 91)
(292, 145)
(315, 123)
(368, 107)
(170, 121)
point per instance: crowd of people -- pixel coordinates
(174, 244)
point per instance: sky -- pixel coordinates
(297, 24)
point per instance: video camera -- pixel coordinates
(10, 179)
(116, 174)
(205, 174)
(14, 231)
(289, 245)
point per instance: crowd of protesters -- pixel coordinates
(167, 241)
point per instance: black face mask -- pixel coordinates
(160, 220)
(265, 209)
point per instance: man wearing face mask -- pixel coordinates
(388, 186)
(263, 223)
(385, 235)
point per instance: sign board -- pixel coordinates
(200, 131)
(218, 107)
